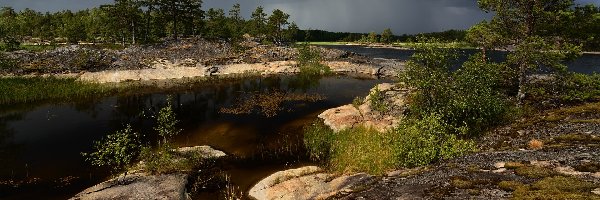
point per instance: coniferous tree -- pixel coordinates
(257, 26)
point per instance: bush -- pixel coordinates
(426, 140)
(7, 64)
(318, 139)
(580, 87)
(377, 101)
(10, 44)
(362, 149)
(309, 61)
(469, 99)
(164, 160)
(166, 122)
(117, 150)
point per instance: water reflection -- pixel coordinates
(48, 138)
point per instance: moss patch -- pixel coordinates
(534, 172)
(554, 188)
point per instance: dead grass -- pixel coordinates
(535, 144)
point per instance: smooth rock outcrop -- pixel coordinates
(305, 183)
(139, 185)
(349, 116)
(164, 69)
(206, 151)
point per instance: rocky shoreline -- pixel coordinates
(142, 185)
(186, 58)
(506, 167)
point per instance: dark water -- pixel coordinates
(587, 63)
(40, 145)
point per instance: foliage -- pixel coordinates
(568, 88)
(7, 64)
(580, 87)
(377, 100)
(387, 36)
(257, 25)
(164, 160)
(309, 61)
(166, 122)
(468, 99)
(25, 90)
(422, 141)
(358, 149)
(373, 38)
(117, 150)
(318, 139)
(216, 25)
(277, 26)
(140, 21)
(531, 29)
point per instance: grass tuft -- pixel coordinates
(33, 89)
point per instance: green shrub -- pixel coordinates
(468, 99)
(117, 150)
(415, 143)
(164, 160)
(6, 63)
(166, 122)
(363, 149)
(318, 139)
(377, 101)
(10, 44)
(580, 87)
(423, 141)
(357, 101)
(309, 61)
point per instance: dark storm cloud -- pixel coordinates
(403, 16)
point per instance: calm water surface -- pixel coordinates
(587, 63)
(40, 145)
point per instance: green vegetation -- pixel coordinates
(466, 99)
(450, 105)
(309, 61)
(557, 187)
(352, 150)
(34, 89)
(414, 143)
(134, 22)
(377, 101)
(121, 149)
(117, 150)
(166, 122)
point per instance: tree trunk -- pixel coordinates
(133, 32)
(522, 84)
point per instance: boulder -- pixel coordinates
(349, 116)
(206, 151)
(305, 183)
(341, 118)
(141, 185)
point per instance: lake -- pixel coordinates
(40, 144)
(587, 63)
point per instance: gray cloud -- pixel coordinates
(403, 16)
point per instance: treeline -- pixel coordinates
(580, 24)
(386, 36)
(143, 21)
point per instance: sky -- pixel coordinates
(402, 16)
